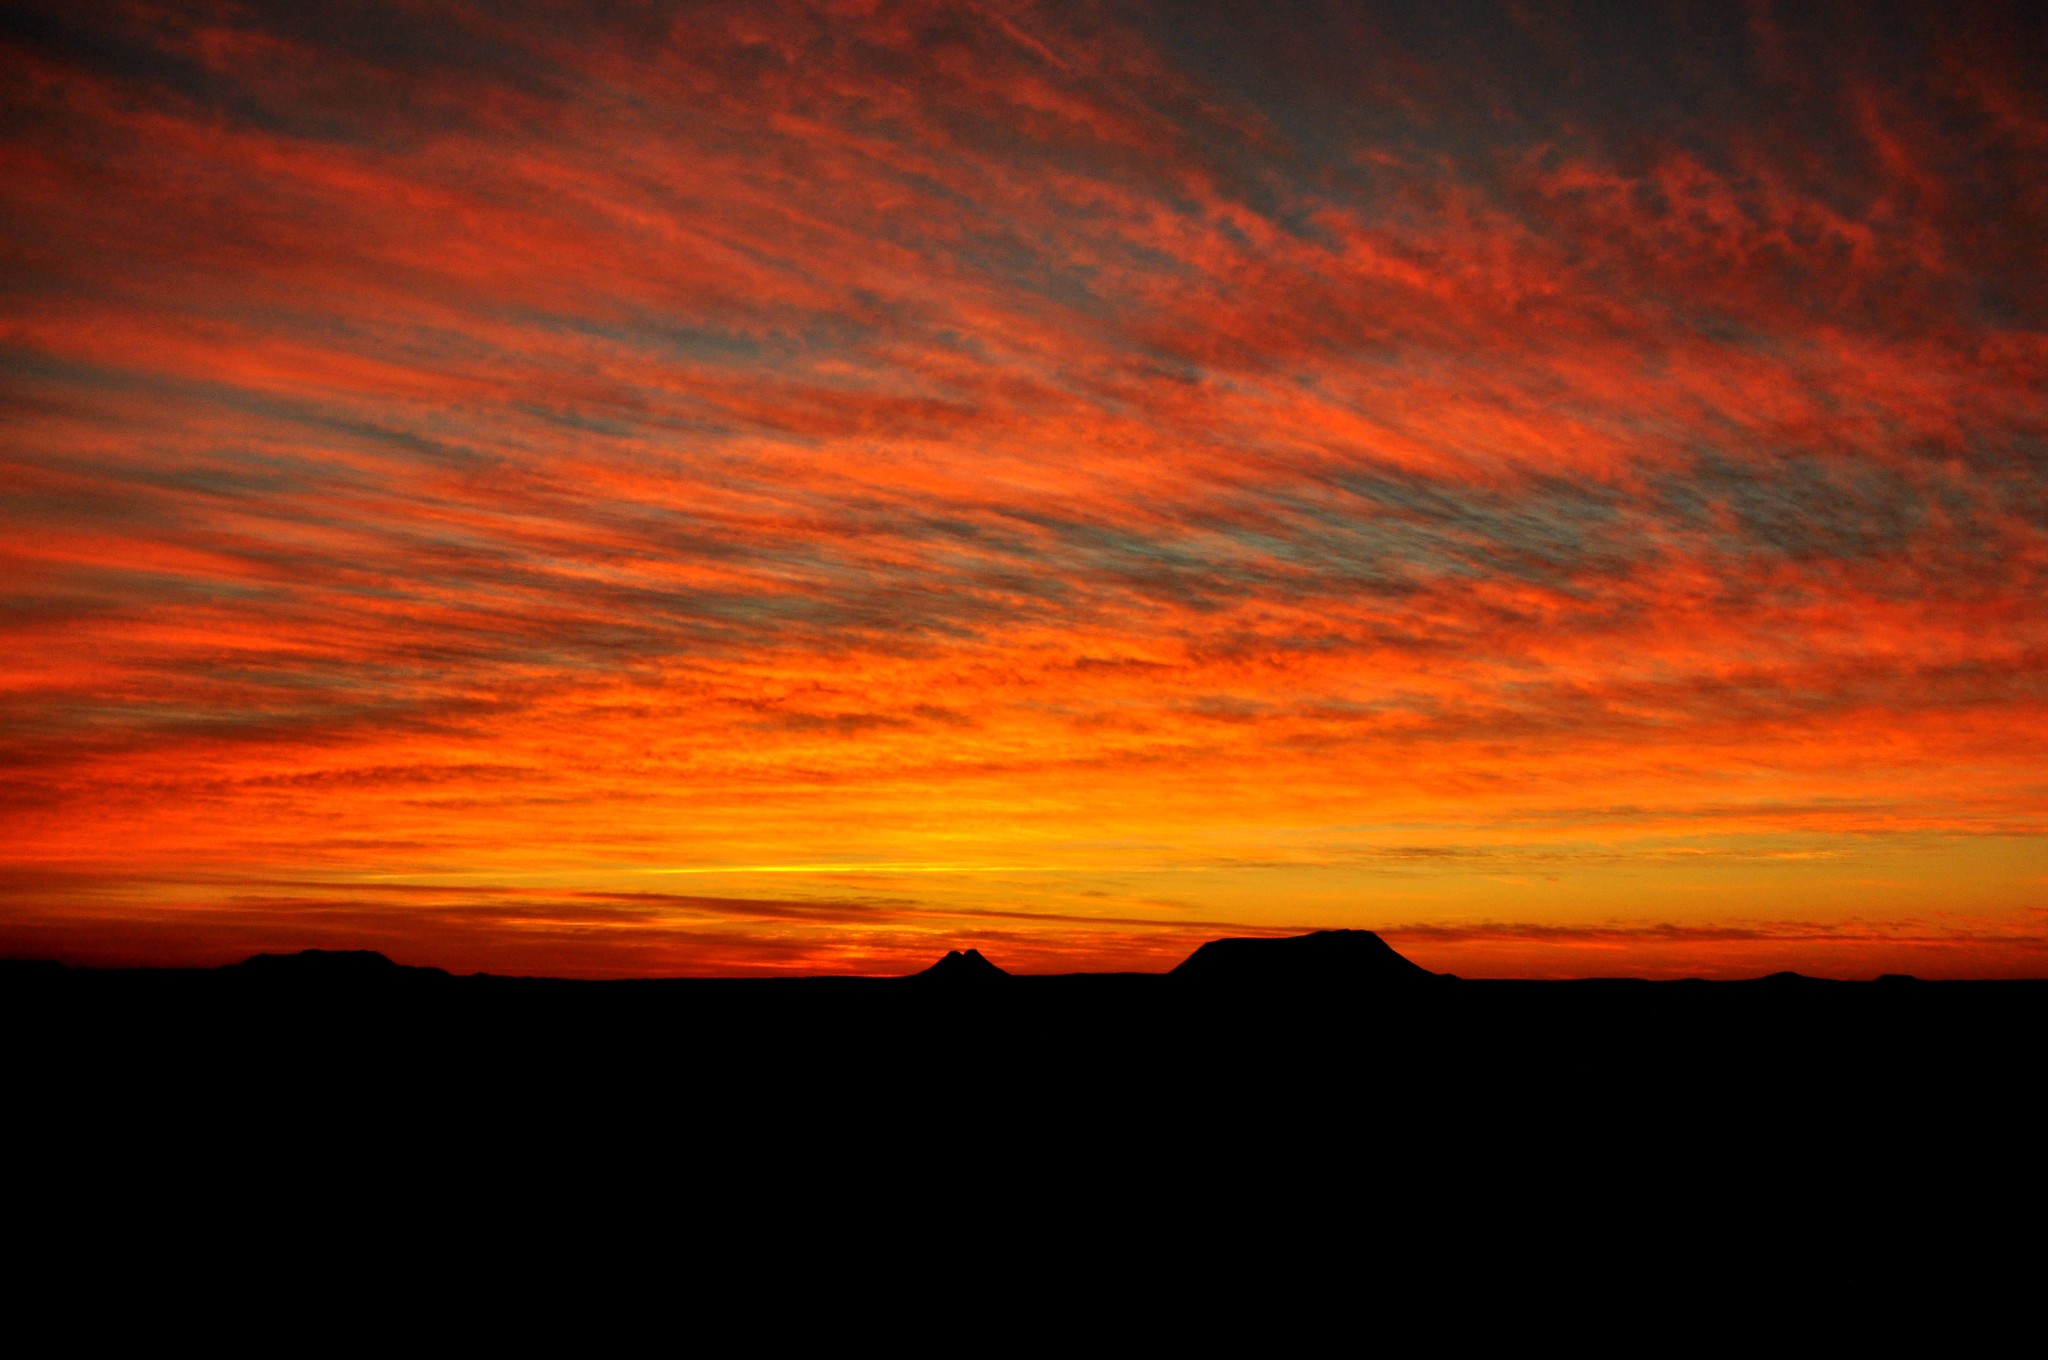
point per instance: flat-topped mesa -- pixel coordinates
(322, 960)
(349, 966)
(1324, 960)
(963, 966)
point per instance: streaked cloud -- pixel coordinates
(1080, 442)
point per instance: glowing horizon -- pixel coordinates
(1069, 481)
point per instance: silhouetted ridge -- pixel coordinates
(963, 965)
(1328, 958)
(20, 968)
(336, 965)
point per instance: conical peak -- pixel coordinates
(963, 965)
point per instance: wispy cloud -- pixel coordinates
(815, 440)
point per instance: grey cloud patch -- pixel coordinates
(1802, 507)
(1392, 532)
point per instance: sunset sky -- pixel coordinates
(746, 488)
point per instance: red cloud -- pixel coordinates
(961, 437)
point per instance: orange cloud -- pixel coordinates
(1074, 472)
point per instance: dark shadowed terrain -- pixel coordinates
(1289, 1077)
(1329, 1027)
(1317, 1112)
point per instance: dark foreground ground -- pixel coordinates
(1635, 1065)
(1324, 1127)
(1534, 1159)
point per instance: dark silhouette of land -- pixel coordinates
(331, 967)
(1325, 959)
(962, 966)
(1291, 1057)
(1328, 997)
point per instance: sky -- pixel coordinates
(757, 488)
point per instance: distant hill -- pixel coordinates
(1327, 958)
(330, 965)
(963, 966)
